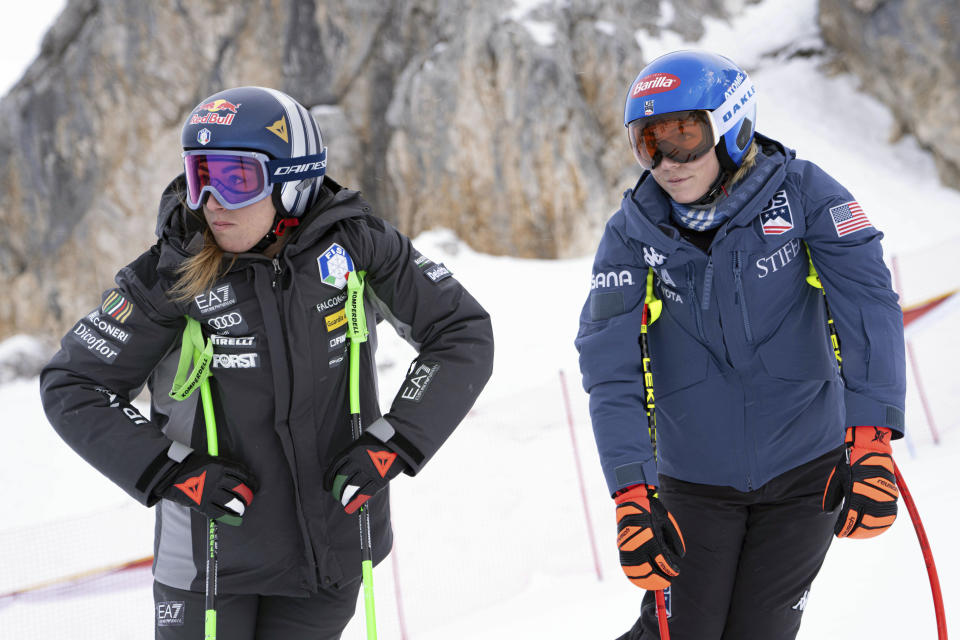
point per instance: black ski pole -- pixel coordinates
(650, 405)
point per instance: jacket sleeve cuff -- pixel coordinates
(632, 473)
(383, 430)
(157, 473)
(862, 410)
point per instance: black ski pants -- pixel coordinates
(751, 557)
(179, 615)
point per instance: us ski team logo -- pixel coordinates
(335, 264)
(775, 217)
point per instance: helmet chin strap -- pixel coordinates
(715, 189)
(281, 225)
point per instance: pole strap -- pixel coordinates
(654, 303)
(193, 348)
(356, 332)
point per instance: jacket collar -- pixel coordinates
(646, 207)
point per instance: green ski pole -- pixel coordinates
(202, 354)
(357, 332)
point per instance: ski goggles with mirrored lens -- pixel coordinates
(241, 178)
(682, 136)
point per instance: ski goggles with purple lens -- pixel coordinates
(241, 178)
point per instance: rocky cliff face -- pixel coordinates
(907, 53)
(500, 123)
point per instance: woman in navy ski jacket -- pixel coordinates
(760, 434)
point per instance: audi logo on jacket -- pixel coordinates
(280, 387)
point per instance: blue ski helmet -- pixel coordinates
(269, 123)
(699, 81)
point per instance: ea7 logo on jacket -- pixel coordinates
(418, 379)
(215, 299)
(775, 217)
(170, 613)
(335, 263)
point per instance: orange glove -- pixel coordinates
(648, 537)
(864, 482)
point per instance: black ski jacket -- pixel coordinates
(280, 387)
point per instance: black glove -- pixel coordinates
(219, 489)
(361, 470)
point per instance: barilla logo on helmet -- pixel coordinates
(654, 83)
(213, 110)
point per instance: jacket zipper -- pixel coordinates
(739, 299)
(277, 272)
(707, 284)
(694, 306)
(278, 293)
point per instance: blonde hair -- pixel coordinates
(196, 274)
(749, 160)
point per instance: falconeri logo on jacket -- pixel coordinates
(335, 263)
(330, 303)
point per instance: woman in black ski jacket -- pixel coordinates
(256, 245)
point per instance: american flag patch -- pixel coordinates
(117, 307)
(848, 217)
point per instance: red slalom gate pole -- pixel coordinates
(927, 554)
(583, 490)
(662, 615)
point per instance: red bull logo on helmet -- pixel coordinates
(654, 83)
(213, 110)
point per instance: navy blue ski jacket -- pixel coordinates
(746, 381)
